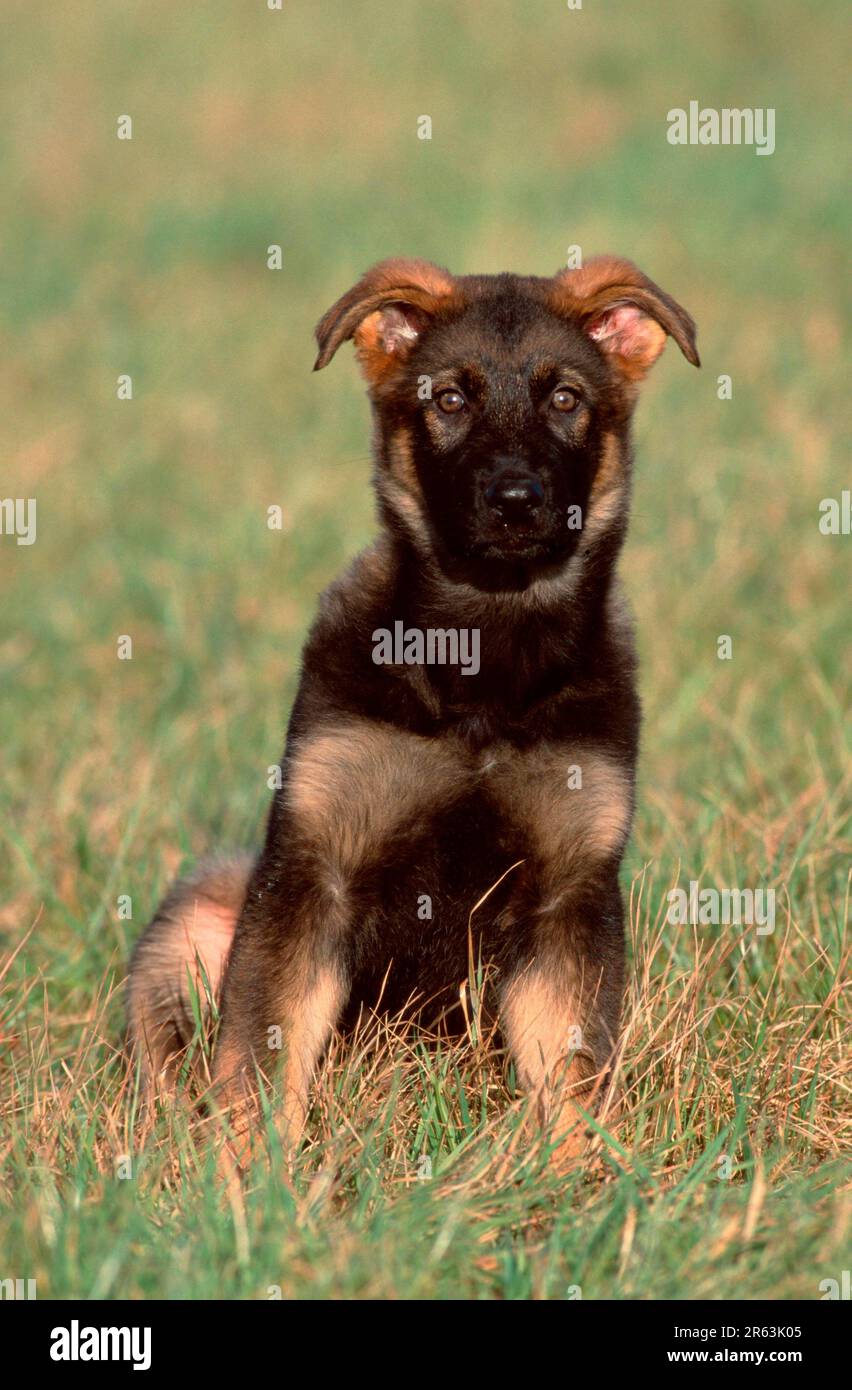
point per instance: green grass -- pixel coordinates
(149, 257)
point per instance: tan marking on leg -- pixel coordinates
(542, 1016)
(306, 1036)
(569, 827)
(542, 1024)
(352, 786)
(306, 1015)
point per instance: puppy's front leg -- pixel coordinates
(351, 786)
(284, 990)
(559, 1013)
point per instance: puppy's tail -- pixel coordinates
(179, 962)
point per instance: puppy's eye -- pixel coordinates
(564, 399)
(450, 401)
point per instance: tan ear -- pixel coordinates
(385, 312)
(624, 312)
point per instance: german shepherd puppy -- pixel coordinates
(410, 791)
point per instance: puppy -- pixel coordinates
(415, 790)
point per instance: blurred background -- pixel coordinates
(254, 127)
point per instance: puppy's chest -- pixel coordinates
(359, 792)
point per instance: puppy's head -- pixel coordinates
(503, 402)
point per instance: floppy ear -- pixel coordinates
(625, 313)
(385, 312)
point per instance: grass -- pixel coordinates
(149, 257)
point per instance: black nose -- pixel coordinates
(514, 499)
